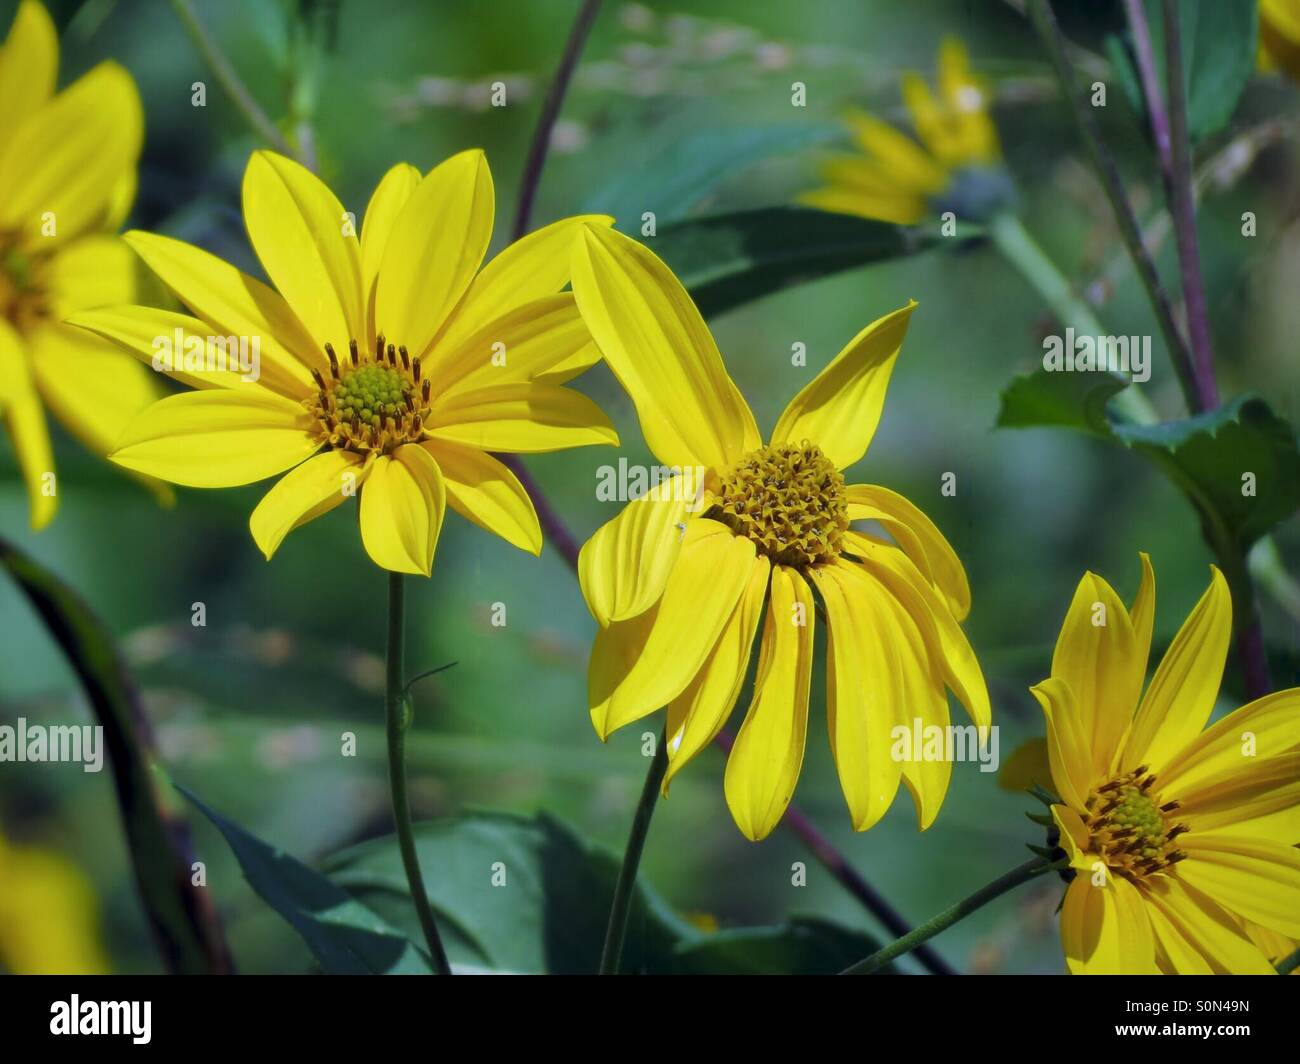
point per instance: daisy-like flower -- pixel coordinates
(389, 366)
(1279, 36)
(1180, 836)
(67, 179)
(678, 580)
(956, 165)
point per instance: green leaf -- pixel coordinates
(157, 839)
(729, 259)
(802, 946)
(670, 179)
(513, 893)
(342, 934)
(1239, 465)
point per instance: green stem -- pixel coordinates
(228, 78)
(622, 905)
(399, 720)
(1023, 874)
(1020, 249)
(1289, 964)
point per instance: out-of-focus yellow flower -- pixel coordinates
(388, 366)
(48, 915)
(895, 179)
(67, 179)
(1279, 36)
(1178, 834)
(679, 579)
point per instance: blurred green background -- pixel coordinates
(250, 709)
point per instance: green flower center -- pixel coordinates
(788, 500)
(371, 402)
(1130, 827)
(22, 293)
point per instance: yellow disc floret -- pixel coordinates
(1130, 828)
(371, 403)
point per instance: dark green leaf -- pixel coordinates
(1067, 400)
(802, 946)
(343, 935)
(729, 259)
(157, 839)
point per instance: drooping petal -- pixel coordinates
(1186, 682)
(1257, 879)
(764, 763)
(1267, 727)
(699, 599)
(29, 64)
(305, 492)
(216, 438)
(624, 566)
(402, 506)
(305, 242)
(697, 715)
(484, 491)
(656, 343)
(386, 203)
(436, 246)
(533, 267)
(919, 538)
(1098, 655)
(1105, 930)
(614, 652)
(234, 304)
(1067, 750)
(24, 420)
(520, 418)
(1197, 936)
(839, 409)
(59, 168)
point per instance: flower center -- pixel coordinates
(23, 299)
(1130, 828)
(371, 402)
(789, 500)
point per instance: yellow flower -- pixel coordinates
(1178, 834)
(387, 366)
(1279, 36)
(67, 178)
(678, 579)
(48, 921)
(895, 179)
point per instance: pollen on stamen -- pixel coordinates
(1130, 828)
(373, 404)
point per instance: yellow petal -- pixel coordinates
(1075, 840)
(624, 566)
(90, 272)
(1186, 683)
(1142, 613)
(1252, 878)
(864, 692)
(305, 242)
(402, 505)
(919, 538)
(435, 248)
(839, 409)
(151, 336)
(764, 763)
(533, 267)
(1105, 930)
(711, 574)
(484, 491)
(1197, 936)
(24, 420)
(1265, 788)
(1067, 750)
(900, 208)
(217, 438)
(697, 715)
(390, 196)
(520, 418)
(1267, 727)
(305, 492)
(897, 153)
(235, 304)
(653, 338)
(1097, 654)
(60, 168)
(614, 652)
(29, 64)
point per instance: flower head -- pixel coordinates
(679, 579)
(1179, 836)
(956, 165)
(67, 178)
(1279, 36)
(387, 366)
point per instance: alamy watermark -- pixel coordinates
(1086, 354)
(191, 353)
(627, 483)
(61, 742)
(951, 742)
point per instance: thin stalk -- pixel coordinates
(1130, 232)
(1023, 874)
(616, 932)
(1146, 63)
(399, 720)
(1289, 964)
(227, 78)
